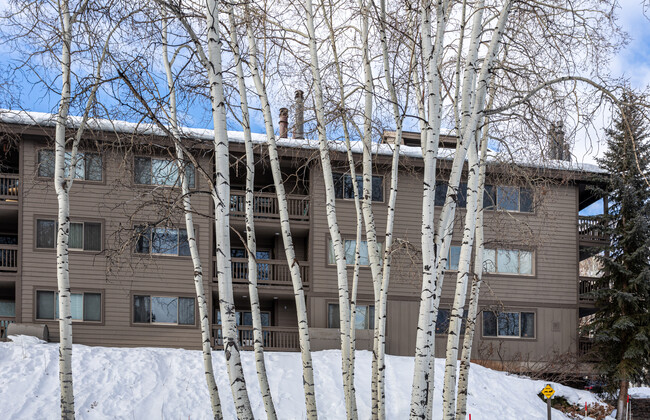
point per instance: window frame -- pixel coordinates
(345, 174)
(157, 254)
(368, 318)
(520, 312)
(150, 324)
(84, 153)
(83, 291)
(100, 222)
(496, 206)
(533, 261)
(171, 161)
(448, 309)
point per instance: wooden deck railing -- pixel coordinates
(9, 187)
(269, 272)
(274, 338)
(587, 286)
(265, 205)
(4, 323)
(591, 229)
(8, 257)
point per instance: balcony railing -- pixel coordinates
(591, 229)
(585, 347)
(265, 205)
(8, 257)
(4, 323)
(9, 187)
(269, 272)
(274, 338)
(587, 286)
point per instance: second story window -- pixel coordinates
(507, 261)
(350, 247)
(89, 165)
(85, 236)
(161, 241)
(508, 198)
(343, 187)
(158, 171)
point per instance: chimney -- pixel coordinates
(284, 123)
(558, 147)
(298, 128)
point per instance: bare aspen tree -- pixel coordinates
(335, 234)
(204, 318)
(258, 335)
(221, 197)
(299, 293)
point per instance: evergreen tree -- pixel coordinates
(622, 323)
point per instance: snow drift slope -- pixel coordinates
(153, 383)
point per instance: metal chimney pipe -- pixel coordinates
(298, 128)
(284, 123)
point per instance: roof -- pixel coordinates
(41, 119)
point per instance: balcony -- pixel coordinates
(269, 272)
(265, 206)
(4, 323)
(9, 258)
(275, 338)
(591, 231)
(9, 187)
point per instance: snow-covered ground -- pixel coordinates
(154, 383)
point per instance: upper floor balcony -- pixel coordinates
(266, 206)
(9, 191)
(8, 258)
(591, 231)
(269, 272)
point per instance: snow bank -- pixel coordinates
(639, 392)
(153, 383)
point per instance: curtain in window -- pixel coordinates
(75, 240)
(44, 305)
(489, 261)
(489, 324)
(525, 262)
(527, 324)
(454, 257)
(93, 167)
(507, 261)
(142, 172)
(186, 311)
(45, 233)
(76, 306)
(141, 308)
(143, 244)
(183, 244)
(92, 307)
(92, 236)
(46, 163)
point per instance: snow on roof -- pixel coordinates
(49, 120)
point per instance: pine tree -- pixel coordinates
(622, 323)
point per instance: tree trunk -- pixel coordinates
(221, 198)
(204, 318)
(621, 404)
(258, 335)
(299, 293)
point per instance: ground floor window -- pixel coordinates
(170, 310)
(442, 322)
(364, 318)
(509, 324)
(83, 306)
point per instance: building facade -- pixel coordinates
(131, 274)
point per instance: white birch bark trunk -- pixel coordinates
(258, 335)
(330, 208)
(472, 313)
(424, 353)
(359, 221)
(204, 319)
(221, 199)
(62, 187)
(299, 293)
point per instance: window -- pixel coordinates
(83, 306)
(343, 187)
(509, 198)
(154, 171)
(441, 194)
(161, 241)
(509, 324)
(453, 257)
(507, 261)
(85, 236)
(349, 246)
(364, 316)
(442, 322)
(89, 165)
(170, 310)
